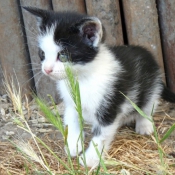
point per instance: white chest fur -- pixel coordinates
(91, 94)
(95, 80)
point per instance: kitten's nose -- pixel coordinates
(48, 71)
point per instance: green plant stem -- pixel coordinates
(55, 119)
(74, 90)
(160, 151)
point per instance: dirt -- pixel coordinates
(40, 126)
(164, 118)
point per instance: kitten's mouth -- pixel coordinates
(58, 75)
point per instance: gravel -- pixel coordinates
(36, 121)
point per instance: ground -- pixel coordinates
(137, 154)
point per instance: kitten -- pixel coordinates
(103, 72)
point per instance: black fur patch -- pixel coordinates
(141, 69)
(96, 131)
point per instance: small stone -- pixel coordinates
(34, 121)
(47, 125)
(2, 111)
(9, 133)
(26, 135)
(41, 120)
(4, 96)
(5, 137)
(124, 172)
(44, 130)
(37, 125)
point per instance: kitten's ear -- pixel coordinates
(91, 30)
(39, 13)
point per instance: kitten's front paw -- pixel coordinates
(144, 127)
(92, 159)
(75, 146)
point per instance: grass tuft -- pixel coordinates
(130, 152)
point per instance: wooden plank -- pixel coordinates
(141, 20)
(73, 5)
(109, 13)
(13, 56)
(167, 27)
(2, 90)
(44, 85)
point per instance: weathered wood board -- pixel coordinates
(109, 13)
(67, 5)
(141, 21)
(166, 10)
(13, 56)
(139, 17)
(44, 85)
(2, 90)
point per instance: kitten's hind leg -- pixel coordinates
(143, 125)
(103, 136)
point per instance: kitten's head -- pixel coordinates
(66, 37)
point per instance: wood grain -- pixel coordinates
(13, 56)
(67, 5)
(141, 21)
(167, 28)
(44, 85)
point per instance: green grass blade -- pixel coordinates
(50, 116)
(161, 153)
(57, 122)
(137, 108)
(100, 157)
(167, 134)
(74, 90)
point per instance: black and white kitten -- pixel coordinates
(103, 72)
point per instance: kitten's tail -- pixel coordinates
(168, 95)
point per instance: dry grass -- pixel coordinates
(131, 152)
(135, 153)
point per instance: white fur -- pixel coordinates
(94, 83)
(71, 120)
(143, 125)
(51, 50)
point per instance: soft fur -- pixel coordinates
(103, 73)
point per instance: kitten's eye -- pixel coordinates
(62, 56)
(41, 54)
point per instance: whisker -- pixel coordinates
(32, 70)
(34, 44)
(36, 83)
(32, 77)
(36, 68)
(31, 64)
